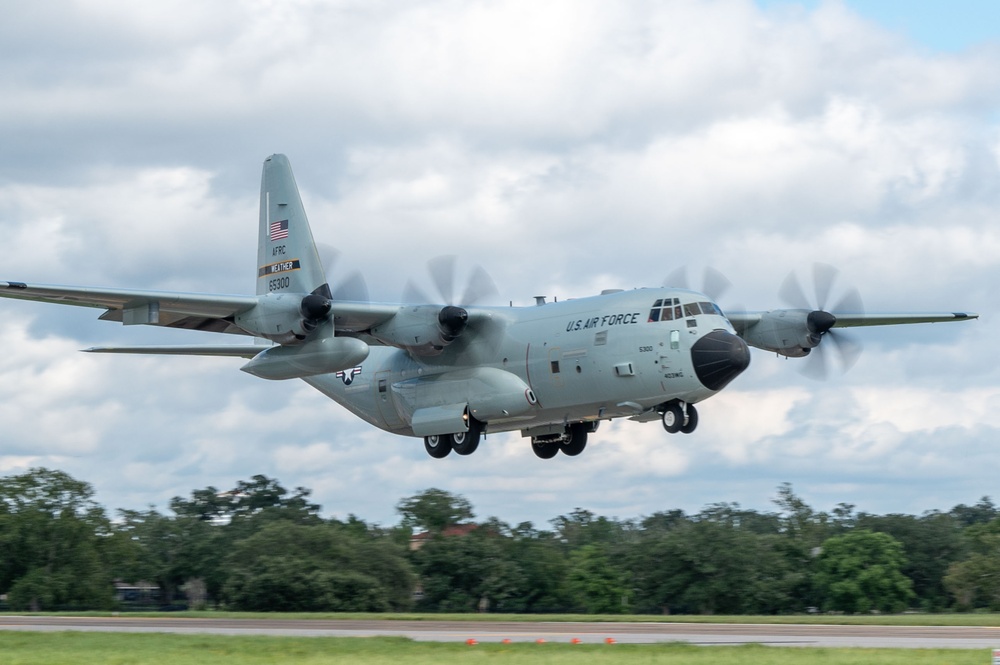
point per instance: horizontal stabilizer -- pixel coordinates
(231, 350)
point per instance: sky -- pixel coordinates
(565, 147)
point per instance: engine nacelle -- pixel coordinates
(319, 356)
(284, 318)
(789, 332)
(423, 330)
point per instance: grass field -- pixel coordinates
(77, 648)
(810, 619)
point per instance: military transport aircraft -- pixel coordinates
(453, 373)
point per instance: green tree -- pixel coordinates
(458, 572)
(981, 513)
(595, 585)
(434, 509)
(170, 551)
(931, 543)
(862, 571)
(582, 527)
(539, 555)
(975, 581)
(287, 566)
(723, 560)
(52, 540)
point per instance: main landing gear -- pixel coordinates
(440, 446)
(571, 442)
(680, 417)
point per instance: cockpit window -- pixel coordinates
(665, 309)
(710, 308)
(692, 309)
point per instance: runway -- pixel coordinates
(906, 637)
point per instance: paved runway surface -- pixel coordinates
(911, 637)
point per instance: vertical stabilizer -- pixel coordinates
(287, 261)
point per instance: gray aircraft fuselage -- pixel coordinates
(582, 360)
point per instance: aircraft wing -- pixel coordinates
(192, 311)
(359, 317)
(848, 320)
(743, 320)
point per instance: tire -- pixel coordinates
(438, 446)
(465, 443)
(692, 420)
(545, 449)
(576, 441)
(673, 418)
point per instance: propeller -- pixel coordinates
(820, 322)
(442, 269)
(353, 287)
(453, 317)
(714, 283)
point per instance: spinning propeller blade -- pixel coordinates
(847, 349)
(714, 283)
(352, 288)
(442, 269)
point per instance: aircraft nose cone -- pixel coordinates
(719, 357)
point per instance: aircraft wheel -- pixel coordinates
(438, 445)
(545, 449)
(673, 418)
(692, 420)
(465, 443)
(577, 440)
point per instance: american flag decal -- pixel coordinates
(279, 230)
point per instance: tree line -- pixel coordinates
(262, 547)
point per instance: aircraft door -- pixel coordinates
(670, 354)
(384, 402)
(555, 367)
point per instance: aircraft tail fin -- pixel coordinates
(287, 260)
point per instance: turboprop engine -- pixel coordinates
(790, 332)
(301, 326)
(423, 330)
(285, 318)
